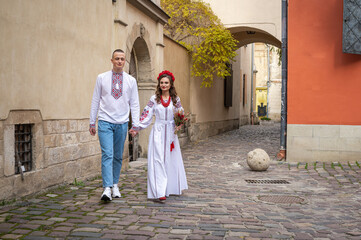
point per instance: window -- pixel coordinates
(228, 88)
(351, 40)
(23, 148)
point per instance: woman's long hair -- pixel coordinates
(172, 91)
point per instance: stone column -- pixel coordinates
(159, 50)
(147, 89)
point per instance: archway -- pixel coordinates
(263, 75)
(140, 69)
(247, 35)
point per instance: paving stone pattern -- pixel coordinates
(219, 204)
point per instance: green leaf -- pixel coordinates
(194, 25)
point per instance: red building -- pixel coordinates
(324, 84)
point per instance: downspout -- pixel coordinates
(268, 77)
(252, 59)
(282, 154)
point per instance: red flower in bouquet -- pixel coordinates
(179, 119)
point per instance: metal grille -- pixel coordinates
(262, 110)
(281, 199)
(351, 41)
(264, 181)
(23, 148)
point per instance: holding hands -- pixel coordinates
(133, 132)
(93, 131)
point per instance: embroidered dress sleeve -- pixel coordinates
(178, 105)
(134, 106)
(177, 108)
(95, 101)
(147, 115)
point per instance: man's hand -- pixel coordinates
(133, 132)
(92, 131)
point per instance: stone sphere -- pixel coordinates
(258, 160)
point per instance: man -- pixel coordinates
(115, 95)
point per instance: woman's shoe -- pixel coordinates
(162, 198)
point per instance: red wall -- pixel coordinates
(324, 84)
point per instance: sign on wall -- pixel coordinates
(351, 39)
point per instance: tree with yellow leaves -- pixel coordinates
(193, 24)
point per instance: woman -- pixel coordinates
(166, 174)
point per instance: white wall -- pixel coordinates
(261, 14)
(52, 52)
(244, 60)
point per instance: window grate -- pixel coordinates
(351, 36)
(263, 181)
(23, 148)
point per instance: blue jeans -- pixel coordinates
(111, 137)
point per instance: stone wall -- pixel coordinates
(198, 131)
(69, 143)
(323, 143)
(62, 150)
(244, 120)
(1, 149)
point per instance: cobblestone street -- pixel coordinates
(289, 200)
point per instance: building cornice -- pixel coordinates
(152, 10)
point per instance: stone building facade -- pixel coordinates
(268, 76)
(52, 53)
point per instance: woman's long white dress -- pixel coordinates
(166, 174)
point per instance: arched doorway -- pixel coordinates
(140, 69)
(260, 76)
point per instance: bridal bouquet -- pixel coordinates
(179, 119)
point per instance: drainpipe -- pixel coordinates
(268, 77)
(282, 154)
(252, 59)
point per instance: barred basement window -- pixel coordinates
(23, 148)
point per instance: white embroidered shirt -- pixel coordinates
(114, 97)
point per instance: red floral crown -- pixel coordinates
(168, 73)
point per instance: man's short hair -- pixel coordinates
(117, 50)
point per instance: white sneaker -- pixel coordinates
(106, 196)
(116, 193)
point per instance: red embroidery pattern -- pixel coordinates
(178, 104)
(171, 146)
(144, 114)
(150, 104)
(117, 90)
